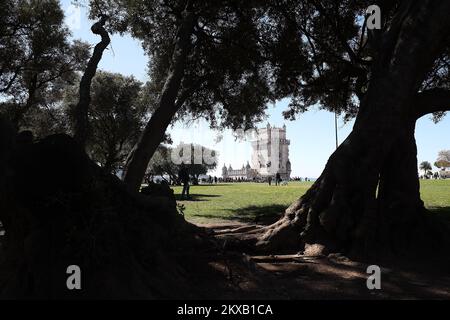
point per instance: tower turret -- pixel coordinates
(224, 170)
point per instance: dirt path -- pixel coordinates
(334, 276)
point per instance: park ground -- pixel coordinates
(225, 209)
(261, 203)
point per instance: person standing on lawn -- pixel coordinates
(183, 175)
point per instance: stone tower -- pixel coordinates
(271, 152)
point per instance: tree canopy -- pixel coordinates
(226, 78)
(425, 166)
(443, 160)
(37, 59)
(325, 55)
(197, 159)
(116, 116)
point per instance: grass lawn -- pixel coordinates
(257, 202)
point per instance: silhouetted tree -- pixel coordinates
(82, 109)
(37, 60)
(425, 166)
(116, 117)
(443, 160)
(206, 60)
(168, 161)
(387, 78)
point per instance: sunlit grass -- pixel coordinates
(259, 201)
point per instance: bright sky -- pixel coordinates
(312, 134)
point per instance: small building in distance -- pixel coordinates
(443, 174)
(270, 155)
(245, 173)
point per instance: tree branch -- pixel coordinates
(81, 111)
(431, 101)
(11, 80)
(185, 94)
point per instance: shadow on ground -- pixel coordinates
(263, 215)
(320, 277)
(266, 215)
(441, 213)
(197, 197)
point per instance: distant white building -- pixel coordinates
(270, 155)
(443, 174)
(246, 173)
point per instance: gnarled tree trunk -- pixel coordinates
(361, 204)
(155, 129)
(82, 108)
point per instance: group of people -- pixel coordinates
(184, 178)
(300, 179)
(211, 179)
(436, 175)
(238, 179)
(277, 179)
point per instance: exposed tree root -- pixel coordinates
(359, 206)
